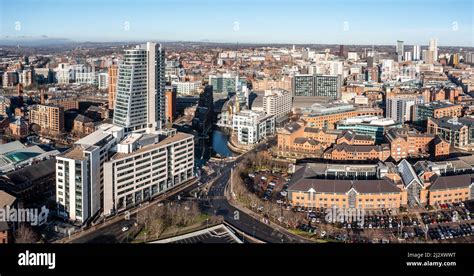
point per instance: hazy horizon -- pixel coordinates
(345, 22)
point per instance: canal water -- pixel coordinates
(219, 143)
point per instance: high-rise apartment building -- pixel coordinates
(140, 101)
(277, 102)
(433, 46)
(407, 56)
(103, 80)
(416, 52)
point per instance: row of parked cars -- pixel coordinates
(268, 193)
(368, 222)
(446, 216)
(446, 232)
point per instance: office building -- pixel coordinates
(400, 50)
(303, 85)
(327, 86)
(458, 132)
(357, 152)
(406, 143)
(80, 174)
(187, 88)
(297, 137)
(373, 126)
(450, 189)
(145, 166)
(307, 190)
(140, 101)
(327, 115)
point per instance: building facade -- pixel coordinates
(112, 75)
(277, 102)
(140, 101)
(80, 174)
(251, 127)
(327, 86)
(146, 166)
(48, 117)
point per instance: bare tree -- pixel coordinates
(25, 234)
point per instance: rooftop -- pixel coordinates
(451, 182)
(76, 153)
(12, 146)
(216, 234)
(168, 140)
(6, 199)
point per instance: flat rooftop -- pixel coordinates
(168, 140)
(216, 234)
(76, 153)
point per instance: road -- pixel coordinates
(219, 205)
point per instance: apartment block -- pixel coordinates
(251, 127)
(436, 110)
(48, 117)
(458, 132)
(277, 102)
(408, 143)
(112, 74)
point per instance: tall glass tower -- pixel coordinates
(140, 100)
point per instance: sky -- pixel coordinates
(245, 21)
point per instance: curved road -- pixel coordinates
(219, 205)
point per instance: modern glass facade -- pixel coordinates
(328, 86)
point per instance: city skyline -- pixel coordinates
(335, 22)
